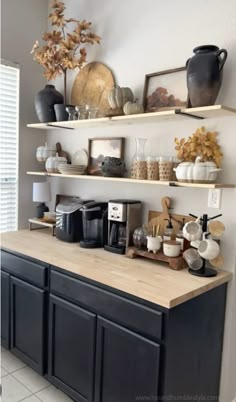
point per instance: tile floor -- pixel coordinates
(21, 383)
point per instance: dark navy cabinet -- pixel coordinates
(28, 308)
(5, 309)
(127, 364)
(72, 336)
(24, 308)
(98, 344)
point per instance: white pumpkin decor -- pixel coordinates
(133, 108)
(43, 152)
(198, 172)
(52, 163)
(118, 96)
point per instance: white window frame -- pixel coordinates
(15, 66)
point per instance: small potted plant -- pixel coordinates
(201, 156)
(64, 47)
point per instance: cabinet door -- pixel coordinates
(5, 309)
(28, 305)
(72, 336)
(127, 365)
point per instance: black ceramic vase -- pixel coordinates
(204, 74)
(44, 103)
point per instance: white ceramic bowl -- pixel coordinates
(171, 248)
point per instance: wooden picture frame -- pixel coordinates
(98, 148)
(158, 94)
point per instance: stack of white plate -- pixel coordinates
(71, 169)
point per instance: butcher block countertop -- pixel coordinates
(148, 280)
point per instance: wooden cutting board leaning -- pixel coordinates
(92, 86)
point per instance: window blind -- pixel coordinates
(9, 128)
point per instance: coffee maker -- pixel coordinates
(94, 217)
(69, 226)
(123, 217)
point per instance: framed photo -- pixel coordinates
(165, 90)
(98, 148)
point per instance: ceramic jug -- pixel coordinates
(204, 74)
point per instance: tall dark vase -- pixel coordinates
(204, 74)
(44, 103)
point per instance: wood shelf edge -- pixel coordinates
(128, 180)
(137, 117)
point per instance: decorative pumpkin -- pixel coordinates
(43, 152)
(198, 172)
(132, 108)
(119, 96)
(52, 163)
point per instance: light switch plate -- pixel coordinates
(214, 198)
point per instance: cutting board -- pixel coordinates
(92, 86)
(158, 218)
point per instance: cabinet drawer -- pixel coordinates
(126, 312)
(25, 269)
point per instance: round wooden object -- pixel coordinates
(216, 228)
(91, 87)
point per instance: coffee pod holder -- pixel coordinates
(204, 271)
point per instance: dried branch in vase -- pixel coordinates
(64, 49)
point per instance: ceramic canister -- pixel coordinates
(171, 248)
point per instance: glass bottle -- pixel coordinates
(139, 164)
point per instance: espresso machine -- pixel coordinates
(123, 217)
(94, 217)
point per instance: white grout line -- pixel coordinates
(26, 385)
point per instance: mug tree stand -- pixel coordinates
(204, 271)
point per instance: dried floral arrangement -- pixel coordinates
(64, 50)
(202, 143)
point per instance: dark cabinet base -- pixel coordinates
(127, 364)
(28, 323)
(72, 335)
(5, 309)
(97, 345)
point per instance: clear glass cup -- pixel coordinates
(139, 164)
(72, 112)
(165, 168)
(82, 112)
(152, 168)
(92, 112)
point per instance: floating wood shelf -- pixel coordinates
(128, 180)
(143, 118)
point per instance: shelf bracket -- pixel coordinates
(65, 128)
(192, 116)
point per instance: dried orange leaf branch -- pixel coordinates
(202, 143)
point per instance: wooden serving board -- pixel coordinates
(92, 86)
(158, 218)
(176, 263)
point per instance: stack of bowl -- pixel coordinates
(71, 169)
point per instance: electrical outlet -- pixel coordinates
(214, 198)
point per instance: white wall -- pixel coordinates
(22, 23)
(142, 37)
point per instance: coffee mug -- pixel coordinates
(208, 248)
(193, 259)
(171, 248)
(192, 230)
(154, 243)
